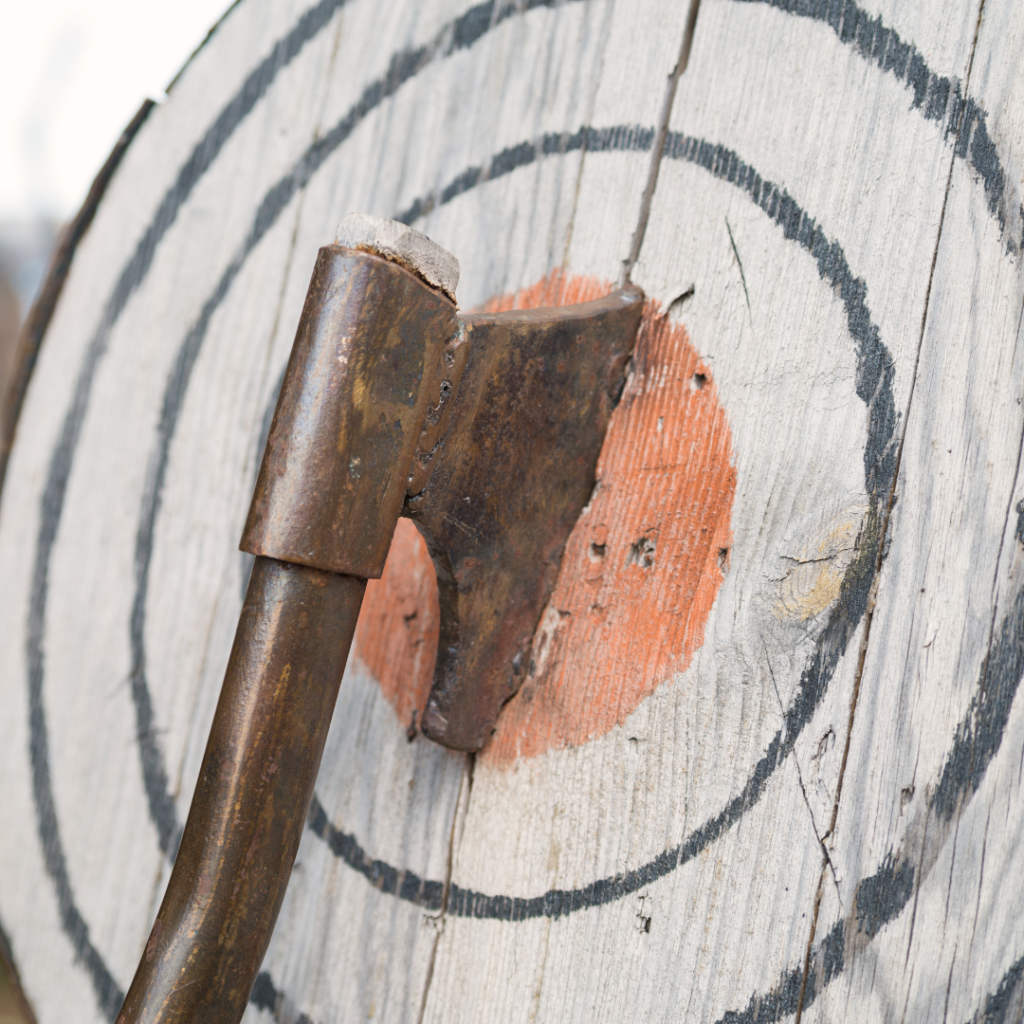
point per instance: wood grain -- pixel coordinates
(768, 765)
(783, 205)
(928, 829)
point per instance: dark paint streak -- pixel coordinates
(620, 139)
(406, 885)
(783, 999)
(266, 996)
(1006, 1004)
(882, 896)
(979, 735)
(780, 1001)
(935, 96)
(108, 993)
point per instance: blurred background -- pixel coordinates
(72, 75)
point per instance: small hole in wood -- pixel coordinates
(723, 559)
(697, 381)
(641, 552)
(598, 550)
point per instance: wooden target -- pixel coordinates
(766, 764)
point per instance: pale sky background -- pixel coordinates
(72, 74)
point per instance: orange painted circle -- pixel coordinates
(640, 572)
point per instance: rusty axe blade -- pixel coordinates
(528, 395)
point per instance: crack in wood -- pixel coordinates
(658, 150)
(886, 521)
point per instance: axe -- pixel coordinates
(485, 431)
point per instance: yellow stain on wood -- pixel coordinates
(814, 578)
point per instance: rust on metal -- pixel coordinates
(443, 393)
(497, 495)
(348, 419)
(252, 797)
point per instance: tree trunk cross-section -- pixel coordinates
(766, 764)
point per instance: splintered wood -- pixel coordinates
(767, 760)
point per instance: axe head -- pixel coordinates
(505, 465)
(483, 429)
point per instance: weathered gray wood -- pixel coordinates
(835, 130)
(928, 832)
(754, 739)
